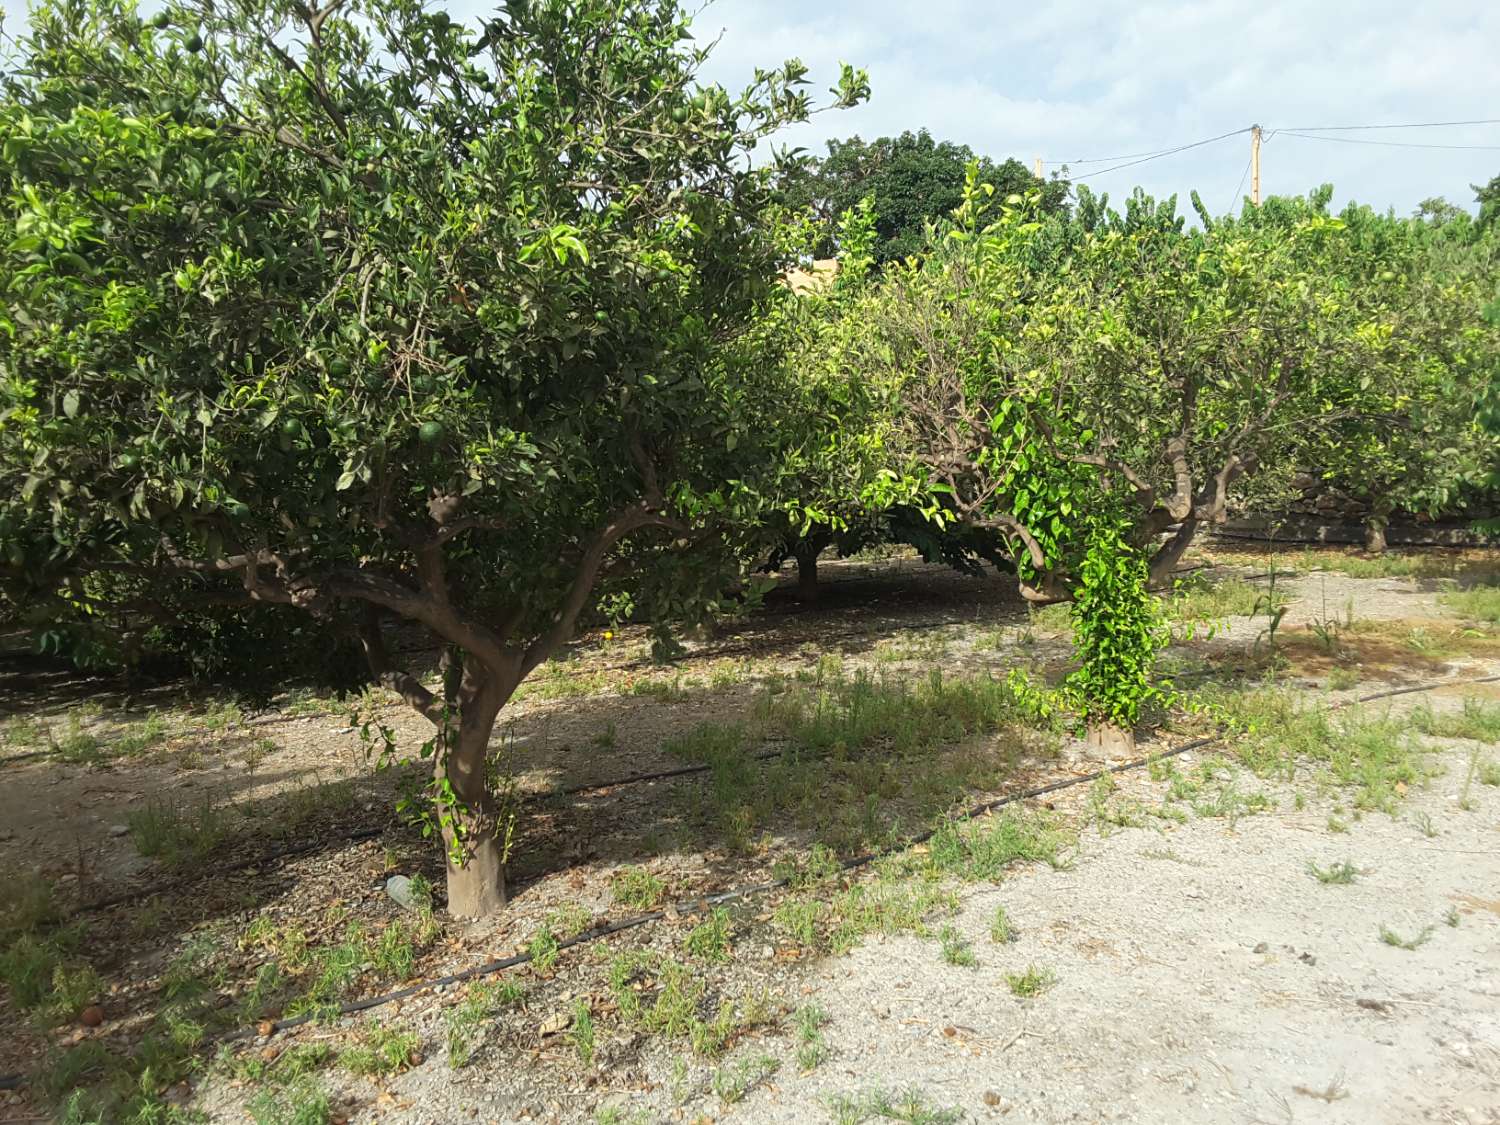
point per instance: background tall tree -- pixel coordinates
(358, 311)
(912, 179)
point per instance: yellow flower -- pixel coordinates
(608, 636)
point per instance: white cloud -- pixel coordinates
(1080, 78)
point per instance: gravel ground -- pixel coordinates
(1202, 973)
(1202, 976)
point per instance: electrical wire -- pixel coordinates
(1243, 175)
(1164, 152)
(1383, 144)
(1131, 158)
(1415, 125)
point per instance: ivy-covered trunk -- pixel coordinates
(1116, 636)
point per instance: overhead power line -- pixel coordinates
(1383, 144)
(1414, 125)
(1164, 152)
(1306, 132)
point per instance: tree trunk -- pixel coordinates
(476, 830)
(807, 571)
(1167, 556)
(477, 889)
(1111, 741)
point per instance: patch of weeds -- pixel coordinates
(1390, 937)
(178, 834)
(1481, 603)
(657, 994)
(819, 865)
(910, 1106)
(1228, 803)
(23, 732)
(1001, 929)
(1375, 756)
(581, 1033)
(1342, 679)
(1466, 802)
(382, 1049)
(463, 1021)
(1423, 821)
(559, 679)
(812, 1050)
(1476, 720)
(709, 1038)
(395, 951)
(732, 1083)
(1340, 873)
(889, 905)
(982, 848)
(799, 919)
(1112, 812)
(142, 736)
(333, 968)
(709, 940)
(638, 888)
(304, 1102)
(544, 949)
(956, 950)
(664, 690)
(257, 752)
(1452, 917)
(1198, 598)
(605, 739)
(614, 1115)
(1031, 983)
(77, 747)
(321, 801)
(1489, 772)
(26, 903)
(45, 978)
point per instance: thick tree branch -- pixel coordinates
(630, 519)
(404, 684)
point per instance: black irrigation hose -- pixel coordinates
(12, 1081)
(238, 865)
(689, 905)
(593, 787)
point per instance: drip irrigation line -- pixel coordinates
(239, 865)
(536, 798)
(688, 906)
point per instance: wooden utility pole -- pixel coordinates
(1255, 165)
(1036, 168)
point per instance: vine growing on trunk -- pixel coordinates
(1117, 630)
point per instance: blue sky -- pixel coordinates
(1069, 79)
(1072, 79)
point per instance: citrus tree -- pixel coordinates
(1413, 441)
(367, 312)
(1050, 368)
